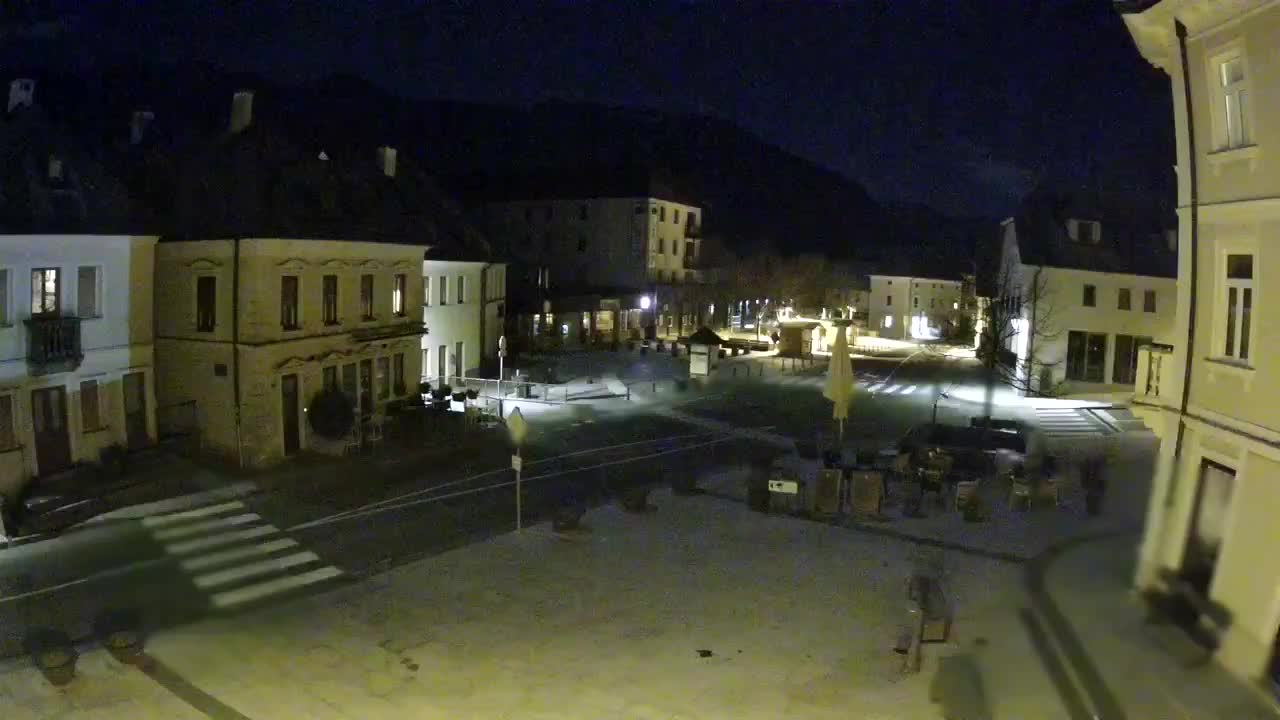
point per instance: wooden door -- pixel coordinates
(135, 410)
(49, 419)
(289, 414)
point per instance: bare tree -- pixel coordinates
(1017, 324)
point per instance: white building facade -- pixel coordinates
(76, 371)
(251, 330)
(1211, 525)
(464, 305)
(1080, 329)
(912, 308)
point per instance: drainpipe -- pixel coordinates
(235, 344)
(1194, 180)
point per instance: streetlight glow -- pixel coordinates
(645, 302)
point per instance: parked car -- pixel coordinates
(972, 446)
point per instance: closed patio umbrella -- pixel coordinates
(839, 388)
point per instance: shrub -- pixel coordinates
(331, 414)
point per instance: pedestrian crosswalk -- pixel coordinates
(233, 556)
(1070, 423)
(868, 383)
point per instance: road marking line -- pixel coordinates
(204, 543)
(197, 528)
(909, 390)
(892, 389)
(153, 521)
(271, 587)
(225, 556)
(262, 567)
(875, 388)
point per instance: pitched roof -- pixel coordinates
(1133, 237)
(51, 181)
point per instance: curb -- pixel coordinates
(181, 502)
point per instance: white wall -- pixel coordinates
(451, 322)
(117, 341)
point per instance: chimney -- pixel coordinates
(21, 93)
(138, 125)
(241, 110)
(387, 161)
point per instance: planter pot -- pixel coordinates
(53, 654)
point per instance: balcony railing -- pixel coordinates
(53, 343)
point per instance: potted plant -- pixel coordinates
(54, 655)
(424, 388)
(472, 393)
(330, 414)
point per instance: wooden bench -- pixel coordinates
(1183, 620)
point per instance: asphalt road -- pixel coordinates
(231, 556)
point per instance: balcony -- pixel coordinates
(53, 344)
(1157, 386)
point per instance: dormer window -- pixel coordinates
(1087, 232)
(55, 168)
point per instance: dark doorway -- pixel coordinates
(289, 414)
(366, 388)
(135, 410)
(49, 420)
(1208, 523)
(1273, 672)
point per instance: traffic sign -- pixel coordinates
(517, 427)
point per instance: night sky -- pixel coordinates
(959, 104)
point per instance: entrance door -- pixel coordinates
(135, 410)
(366, 388)
(289, 413)
(49, 418)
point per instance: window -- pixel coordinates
(1088, 232)
(915, 302)
(5, 318)
(1086, 356)
(1125, 300)
(675, 216)
(444, 290)
(1149, 301)
(45, 291)
(330, 377)
(888, 321)
(462, 289)
(582, 243)
(383, 378)
(329, 300)
(1090, 296)
(1124, 370)
(426, 290)
(888, 299)
(582, 211)
(366, 297)
(90, 417)
(397, 295)
(88, 303)
(1234, 107)
(289, 302)
(1239, 304)
(206, 303)
(397, 373)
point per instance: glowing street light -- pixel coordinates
(645, 302)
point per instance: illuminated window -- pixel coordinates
(1238, 301)
(45, 291)
(1234, 99)
(397, 295)
(888, 321)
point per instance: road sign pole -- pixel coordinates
(519, 494)
(518, 428)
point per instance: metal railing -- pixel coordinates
(54, 340)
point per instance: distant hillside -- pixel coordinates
(755, 193)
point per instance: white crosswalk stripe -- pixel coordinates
(235, 555)
(1069, 423)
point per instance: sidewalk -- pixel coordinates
(1118, 663)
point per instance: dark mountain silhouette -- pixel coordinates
(754, 193)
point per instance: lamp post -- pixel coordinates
(518, 429)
